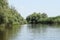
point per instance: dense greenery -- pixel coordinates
(42, 18)
(9, 15)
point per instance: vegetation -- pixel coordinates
(9, 15)
(42, 18)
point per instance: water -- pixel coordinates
(32, 32)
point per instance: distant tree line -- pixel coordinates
(42, 18)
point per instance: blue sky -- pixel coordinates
(27, 7)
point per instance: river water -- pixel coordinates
(33, 32)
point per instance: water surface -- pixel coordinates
(32, 32)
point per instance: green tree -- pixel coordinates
(9, 15)
(36, 18)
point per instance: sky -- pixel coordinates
(27, 7)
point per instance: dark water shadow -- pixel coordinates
(7, 33)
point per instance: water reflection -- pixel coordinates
(44, 32)
(2, 35)
(8, 34)
(36, 28)
(31, 32)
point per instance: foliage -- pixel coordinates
(9, 15)
(42, 18)
(36, 18)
